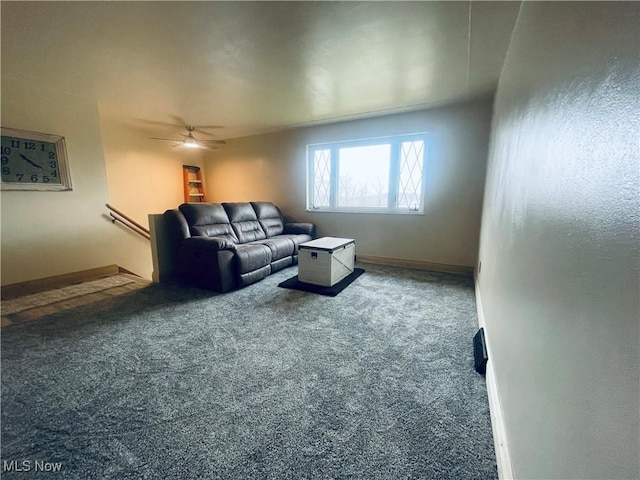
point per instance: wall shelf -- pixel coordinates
(193, 184)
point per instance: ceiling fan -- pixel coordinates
(190, 141)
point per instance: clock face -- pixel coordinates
(29, 161)
(33, 161)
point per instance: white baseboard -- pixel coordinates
(417, 264)
(503, 458)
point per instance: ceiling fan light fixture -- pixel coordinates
(189, 141)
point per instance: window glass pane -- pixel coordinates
(411, 165)
(321, 178)
(384, 174)
(363, 176)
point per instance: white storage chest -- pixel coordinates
(325, 261)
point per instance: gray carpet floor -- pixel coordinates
(175, 382)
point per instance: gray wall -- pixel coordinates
(272, 167)
(559, 241)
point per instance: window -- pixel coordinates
(375, 175)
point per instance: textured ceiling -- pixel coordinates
(253, 67)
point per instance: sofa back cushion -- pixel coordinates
(269, 217)
(244, 221)
(177, 226)
(208, 220)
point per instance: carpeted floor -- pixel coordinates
(177, 383)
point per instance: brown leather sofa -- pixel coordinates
(222, 246)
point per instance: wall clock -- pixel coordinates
(33, 161)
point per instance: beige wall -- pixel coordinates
(559, 246)
(52, 233)
(144, 177)
(114, 162)
(272, 167)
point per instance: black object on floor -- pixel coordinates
(480, 352)
(294, 284)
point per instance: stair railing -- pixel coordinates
(117, 216)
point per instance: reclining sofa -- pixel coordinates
(222, 246)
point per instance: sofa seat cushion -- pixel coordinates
(296, 239)
(244, 222)
(252, 256)
(280, 247)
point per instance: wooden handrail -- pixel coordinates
(128, 222)
(115, 219)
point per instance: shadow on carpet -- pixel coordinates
(294, 284)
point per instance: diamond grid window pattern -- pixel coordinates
(411, 163)
(321, 178)
(384, 175)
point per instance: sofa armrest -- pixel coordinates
(209, 243)
(297, 228)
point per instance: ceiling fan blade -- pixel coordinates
(199, 128)
(217, 142)
(210, 147)
(163, 124)
(179, 120)
(169, 139)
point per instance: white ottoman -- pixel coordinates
(325, 261)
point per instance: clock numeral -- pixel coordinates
(30, 145)
(52, 156)
(6, 171)
(19, 176)
(34, 178)
(54, 173)
(53, 164)
(15, 143)
(5, 160)
(45, 179)
(5, 151)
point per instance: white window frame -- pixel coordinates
(395, 141)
